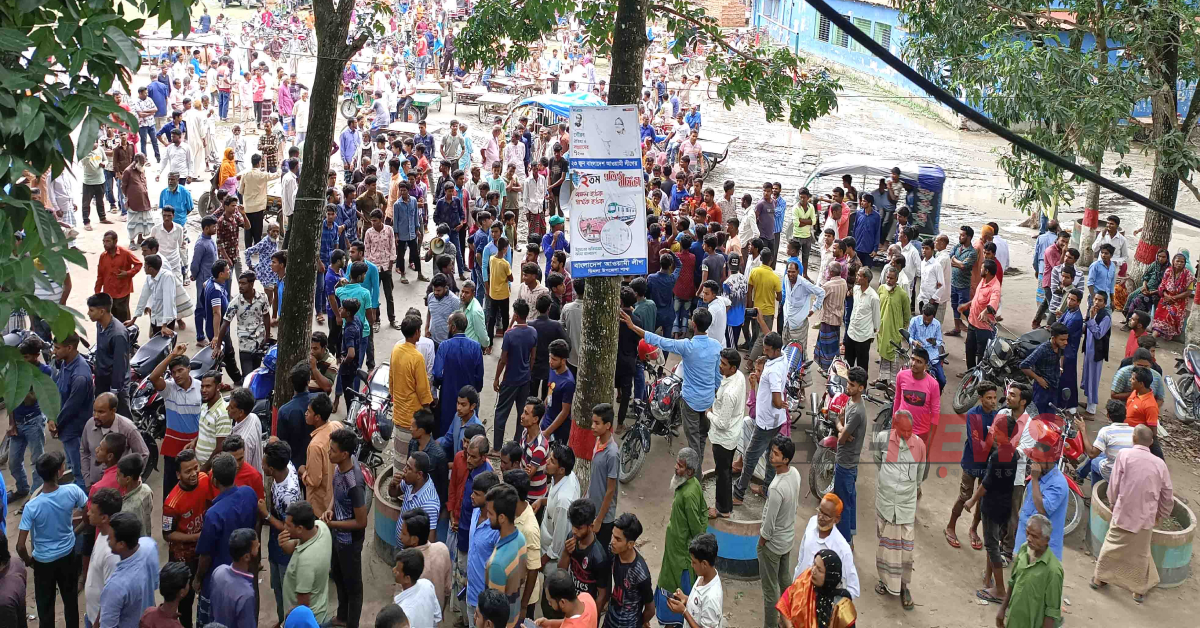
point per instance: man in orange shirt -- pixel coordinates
(408, 383)
(317, 472)
(1141, 407)
(981, 313)
(114, 275)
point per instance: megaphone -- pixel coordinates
(437, 245)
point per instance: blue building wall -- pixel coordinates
(798, 26)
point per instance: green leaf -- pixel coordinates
(34, 130)
(127, 52)
(47, 394)
(13, 40)
(26, 109)
(28, 6)
(88, 135)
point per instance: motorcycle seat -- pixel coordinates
(379, 381)
(1035, 337)
(1191, 357)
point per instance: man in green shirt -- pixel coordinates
(689, 518)
(1035, 586)
(306, 581)
(476, 327)
(803, 217)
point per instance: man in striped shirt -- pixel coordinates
(417, 489)
(506, 568)
(213, 424)
(534, 449)
(182, 401)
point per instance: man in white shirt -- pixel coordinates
(556, 527)
(514, 153)
(725, 427)
(778, 529)
(170, 238)
(176, 158)
(1111, 235)
(821, 534)
(491, 152)
(716, 304)
(1001, 245)
(932, 282)
(801, 298)
(770, 413)
(62, 198)
(864, 321)
(941, 247)
(289, 186)
(417, 596)
(300, 112)
(910, 248)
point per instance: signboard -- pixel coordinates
(608, 201)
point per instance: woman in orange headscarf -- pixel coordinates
(816, 599)
(228, 168)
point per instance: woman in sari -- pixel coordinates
(894, 314)
(816, 599)
(228, 169)
(1175, 293)
(1145, 297)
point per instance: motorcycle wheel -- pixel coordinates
(966, 397)
(1191, 405)
(348, 109)
(820, 474)
(883, 423)
(1075, 511)
(158, 417)
(152, 457)
(633, 454)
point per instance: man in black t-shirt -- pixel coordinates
(587, 558)
(559, 166)
(994, 496)
(632, 593)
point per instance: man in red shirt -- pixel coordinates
(114, 275)
(1138, 321)
(183, 517)
(109, 451)
(246, 474)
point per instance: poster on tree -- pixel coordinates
(608, 205)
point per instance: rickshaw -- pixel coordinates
(549, 109)
(924, 183)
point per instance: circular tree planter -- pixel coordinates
(737, 539)
(1172, 550)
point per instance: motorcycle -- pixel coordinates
(1185, 386)
(794, 386)
(660, 416)
(371, 412)
(1001, 361)
(1073, 455)
(823, 431)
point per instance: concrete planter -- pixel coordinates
(1172, 551)
(385, 515)
(737, 542)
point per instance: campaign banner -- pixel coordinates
(608, 201)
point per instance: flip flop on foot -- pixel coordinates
(984, 595)
(906, 600)
(880, 588)
(976, 542)
(320, 320)
(952, 539)
(1096, 585)
(712, 513)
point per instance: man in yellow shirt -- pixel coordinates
(408, 383)
(763, 293)
(499, 275)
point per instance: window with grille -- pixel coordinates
(863, 25)
(883, 34)
(823, 28)
(841, 38)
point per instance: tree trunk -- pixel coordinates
(1092, 202)
(295, 312)
(601, 302)
(1164, 187)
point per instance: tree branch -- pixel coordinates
(699, 24)
(1187, 182)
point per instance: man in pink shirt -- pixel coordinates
(918, 392)
(981, 312)
(1140, 491)
(1050, 258)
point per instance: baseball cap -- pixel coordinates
(556, 220)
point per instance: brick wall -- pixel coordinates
(729, 13)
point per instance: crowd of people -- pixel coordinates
(733, 278)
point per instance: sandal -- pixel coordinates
(403, 280)
(906, 600)
(1096, 586)
(988, 597)
(320, 319)
(881, 588)
(952, 539)
(976, 542)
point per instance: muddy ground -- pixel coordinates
(945, 579)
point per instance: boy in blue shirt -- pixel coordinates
(48, 518)
(352, 348)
